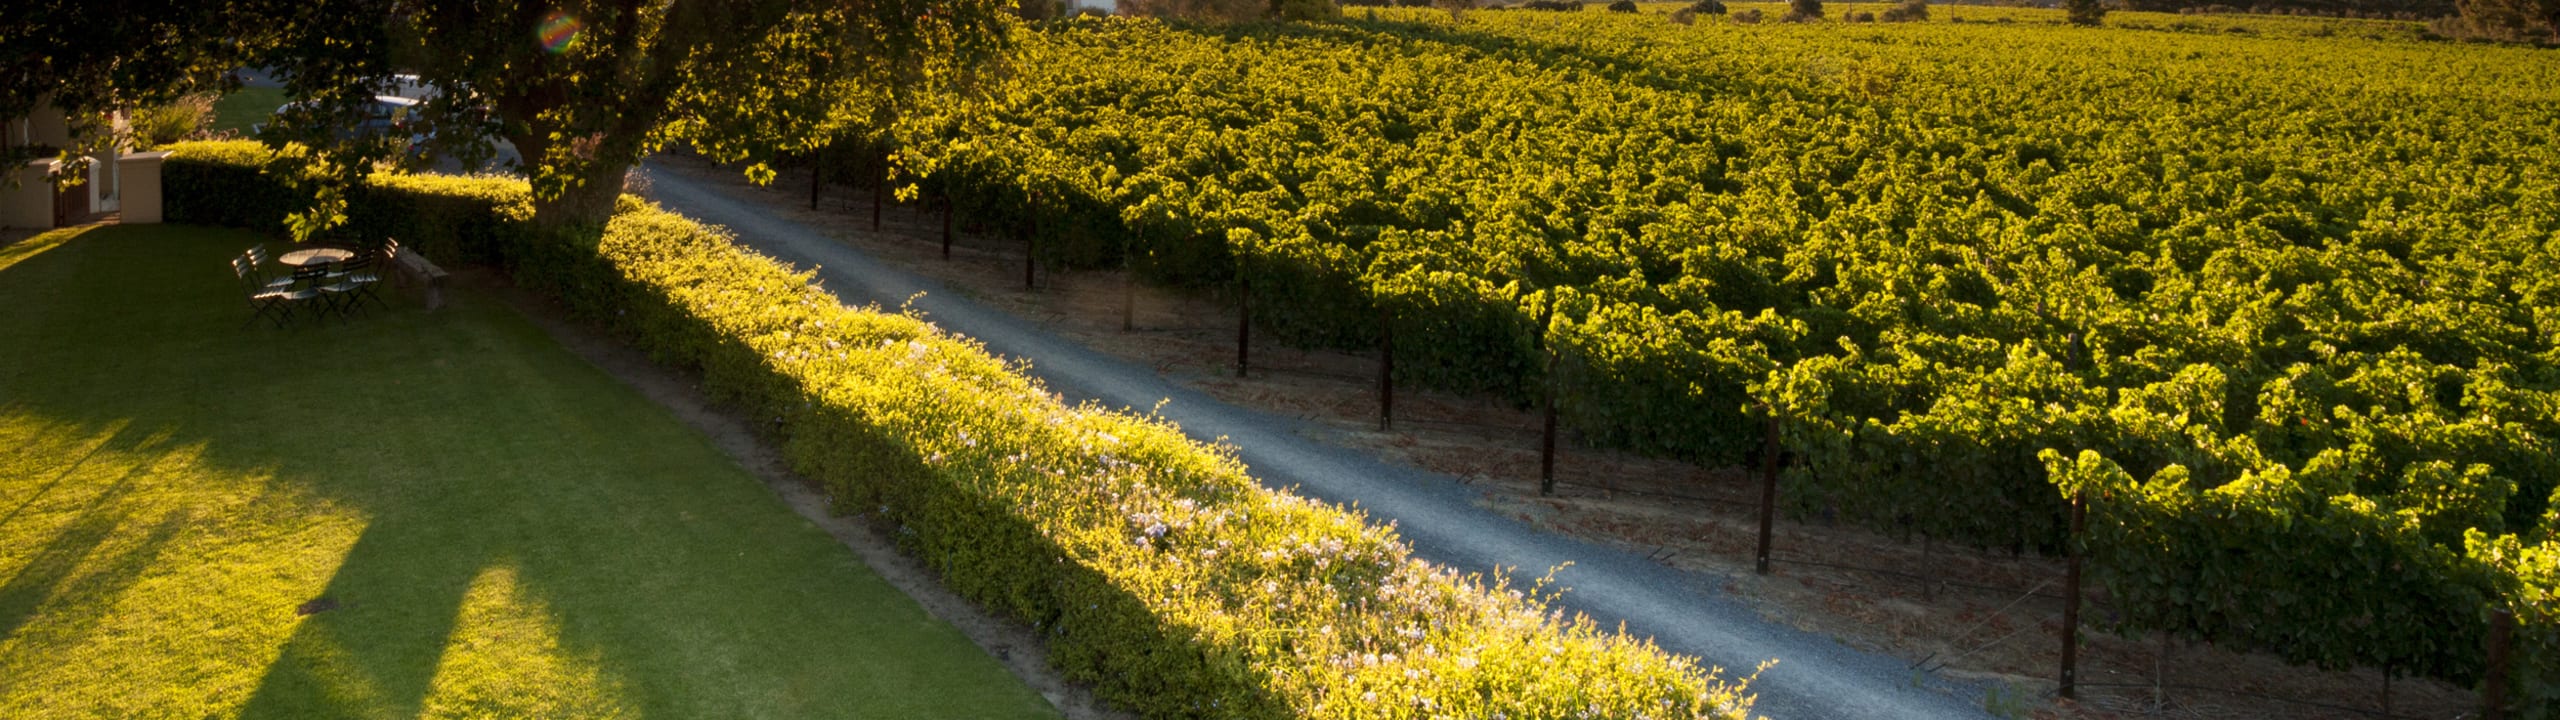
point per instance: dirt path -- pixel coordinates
(1685, 612)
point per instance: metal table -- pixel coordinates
(315, 256)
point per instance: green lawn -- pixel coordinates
(505, 531)
(245, 107)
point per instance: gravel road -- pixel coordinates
(1684, 612)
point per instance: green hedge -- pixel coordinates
(1164, 574)
(454, 218)
(222, 183)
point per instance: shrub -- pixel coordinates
(1036, 10)
(247, 199)
(1859, 17)
(178, 120)
(1224, 10)
(1910, 11)
(1745, 17)
(2517, 21)
(458, 218)
(466, 219)
(1303, 10)
(1161, 571)
(1803, 10)
(1553, 5)
(1684, 16)
(1623, 6)
(2085, 12)
(1707, 7)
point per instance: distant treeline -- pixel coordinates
(2379, 9)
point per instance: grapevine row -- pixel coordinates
(2288, 310)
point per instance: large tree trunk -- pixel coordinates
(573, 187)
(577, 144)
(586, 203)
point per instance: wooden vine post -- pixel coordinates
(1244, 321)
(2493, 683)
(2387, 673)
(1547, 437)
(1768, 492)
(1030, 247)
(2071, 597)
(947, 204)
(817, 174)
(1386, 368)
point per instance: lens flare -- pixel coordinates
(559, 31)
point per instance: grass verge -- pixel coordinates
(245, 107)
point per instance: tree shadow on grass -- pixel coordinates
(371, 642)
(56, 481)
(66, 582)
(64, 571)
(465, 446)
(147, 320)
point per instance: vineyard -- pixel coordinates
(2279, 298)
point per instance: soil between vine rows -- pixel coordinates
(1985, 616)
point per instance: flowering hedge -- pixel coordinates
(1162, 572)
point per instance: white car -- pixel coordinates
(385, 116)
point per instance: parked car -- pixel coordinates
(384, 116)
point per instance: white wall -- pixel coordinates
(45, 126)
(26, 199)
(139, 180)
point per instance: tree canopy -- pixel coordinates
(87, 59)
(585, 88)
(2533, 21)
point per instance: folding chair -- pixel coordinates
(274, 304)
(257, 257)
(390, 253)
(376, 248)
(352, 283)
(307, 283)
(369, 254)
